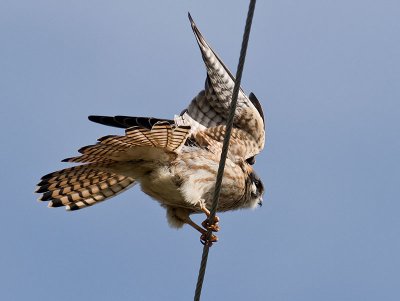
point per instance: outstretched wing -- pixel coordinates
(210, 108)
(103, 176)
(208, 111)
(128, 121)
(138, 143)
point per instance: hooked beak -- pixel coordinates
(260, 202)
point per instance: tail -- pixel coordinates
(98, 179)
(81, 186)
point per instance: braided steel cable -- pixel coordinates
(224, 153)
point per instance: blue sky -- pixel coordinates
(327, 73)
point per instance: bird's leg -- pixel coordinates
(203, 238)
(206, 224)
(183, 216)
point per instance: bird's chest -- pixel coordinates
(164, 186)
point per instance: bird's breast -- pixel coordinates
(163, 185)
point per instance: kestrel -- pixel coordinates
(174, 161)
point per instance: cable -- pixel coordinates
(224, 153)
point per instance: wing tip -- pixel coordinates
(254, 100)
(190, 18)
(46, 177)
(41, 188)
(45, 196)
(72, 207)
(93, 118)
(81, 150)
(196, 31)
(98, 118)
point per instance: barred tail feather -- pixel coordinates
(81, 186)
(85, 185)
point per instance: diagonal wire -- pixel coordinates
(225, 146)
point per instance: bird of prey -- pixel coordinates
(175, 161)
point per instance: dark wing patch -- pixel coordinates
(257, 104)
(125, 122)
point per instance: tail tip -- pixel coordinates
(40, 189)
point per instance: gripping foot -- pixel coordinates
(214, 227)
(208, 242)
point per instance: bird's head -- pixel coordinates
(256, 190)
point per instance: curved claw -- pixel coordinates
(206, 242)
(213, 227)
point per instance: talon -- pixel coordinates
(214, 227)
(209, 243)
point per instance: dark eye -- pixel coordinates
(259, 185)
(251, 160)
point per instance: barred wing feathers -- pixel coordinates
(209, 109)
(137, 144)
(85, 185)
(211, 106)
